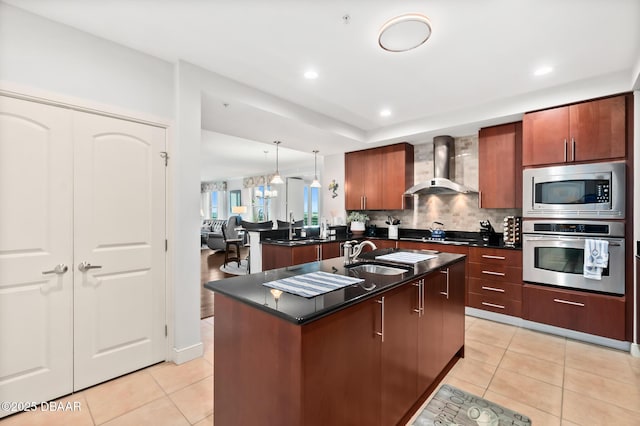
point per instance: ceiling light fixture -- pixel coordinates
(385, 112)
(316, 182)
(276, 178)
(542, 71)
(310, 75)
(404, 32)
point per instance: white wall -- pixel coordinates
(39, 53)
(332, 167)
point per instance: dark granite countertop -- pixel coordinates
(299, 310)
(460, 238)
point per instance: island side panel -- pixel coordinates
(257, 366)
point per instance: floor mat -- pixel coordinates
(452, 406)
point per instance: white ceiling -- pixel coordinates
(476, 69)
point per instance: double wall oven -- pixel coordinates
(564, 206)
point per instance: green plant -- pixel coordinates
(357, 217)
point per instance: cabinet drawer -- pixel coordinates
(496, 256)
(495, 272)
(495, 288)
(590, 313)
(495, 303)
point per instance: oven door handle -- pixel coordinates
(566, 240)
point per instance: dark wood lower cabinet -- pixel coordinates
(368, 364)
(398, 367)
(341, 354)
(597, 314)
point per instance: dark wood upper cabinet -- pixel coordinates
(587, 131)
(375, 179)
(597, 129)
(500, 166)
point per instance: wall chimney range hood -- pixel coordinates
(443, 152)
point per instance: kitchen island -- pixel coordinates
(369, 353)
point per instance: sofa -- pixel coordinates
(211, 234)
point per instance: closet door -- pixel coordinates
(119, 247)
(36, 235)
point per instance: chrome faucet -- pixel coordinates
(351, 251)
(291, 226)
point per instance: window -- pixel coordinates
(235, 200)
(214, 205)
(311, 206)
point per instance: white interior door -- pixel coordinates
(119, 230)
(36, 234)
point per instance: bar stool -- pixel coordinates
(228, 244)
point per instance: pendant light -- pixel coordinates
(276, 178)
(316, 182)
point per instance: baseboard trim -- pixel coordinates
(182, 355)
(635, 350)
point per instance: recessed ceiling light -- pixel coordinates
(385, 112)
(310, 75)
(404, 32)
(542, 71)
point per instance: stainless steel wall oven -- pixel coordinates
(554, 252)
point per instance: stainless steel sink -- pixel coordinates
(373, 268)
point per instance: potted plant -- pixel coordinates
(357, 221)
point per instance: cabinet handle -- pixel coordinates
(568, 302)
(319, 252)
(446, 293)
(480, 199)
(419, 310)
(493, 305)
(499, 290)
(573, 149)
(381, 332)
(364, 206)
(488, 256)
(500, 274)
(565, 150)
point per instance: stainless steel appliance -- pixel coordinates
(511, 231)
(586, 191)
(553, 253)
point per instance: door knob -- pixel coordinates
(85, 266)
(59, 269)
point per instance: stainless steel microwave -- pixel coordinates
(588, 191)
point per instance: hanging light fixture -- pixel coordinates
(316, 182)
(277, 179)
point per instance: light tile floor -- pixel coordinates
(553, 380)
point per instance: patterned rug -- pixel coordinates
(233, 269)
(451, 406)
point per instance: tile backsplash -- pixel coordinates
(458, 212)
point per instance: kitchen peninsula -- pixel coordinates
(368, 353)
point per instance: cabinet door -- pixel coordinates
(371, 169)
(545, 137)
(305, 254)
(397, 174)
(330, 250)
(399, 348)
(341, 367)
(354, 182)
(500, 186)
(453, 310)
(274, 257)
(597, 129)
(430, 331)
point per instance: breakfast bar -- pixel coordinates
(367, 352)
